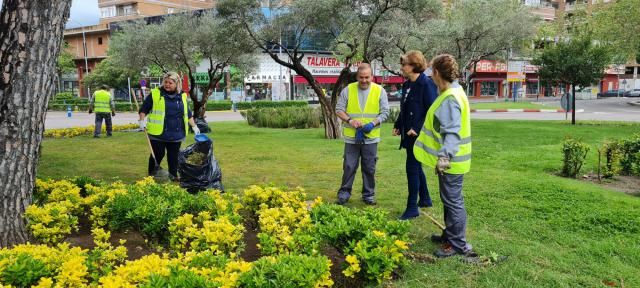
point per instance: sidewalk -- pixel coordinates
(59, 119)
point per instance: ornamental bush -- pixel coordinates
(574, 155)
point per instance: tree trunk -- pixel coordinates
(331, 123)
(30, 33)
(573, 104)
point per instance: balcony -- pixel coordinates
(87, 29)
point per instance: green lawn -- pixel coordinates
(511, 105)
(556, 232)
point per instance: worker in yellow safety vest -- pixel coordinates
(102, 103)
(444, 144)
(363, 106)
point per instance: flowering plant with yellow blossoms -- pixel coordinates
(77, 131)
(375, 257)
(201, 233)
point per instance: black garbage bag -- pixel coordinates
(202, 125)
(196, 178)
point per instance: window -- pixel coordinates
(532, 88)
(488, 88)
(107, 12)
(170, 10)
(127, 10)
(99, 40)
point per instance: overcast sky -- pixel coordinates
(83, 13)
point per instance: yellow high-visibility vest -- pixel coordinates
(430, 141)
(370, 112)
(102, 101)
(155, 124)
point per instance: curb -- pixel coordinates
(634, 103)
(525, 110)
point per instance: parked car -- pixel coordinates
(611, 93)
(632, 93)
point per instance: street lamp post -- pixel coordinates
(84, 51)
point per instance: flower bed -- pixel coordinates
(202, 237)
(73, 132)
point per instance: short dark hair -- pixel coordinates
(104, 86)
(414, 59)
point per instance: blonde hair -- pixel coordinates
(175, 77)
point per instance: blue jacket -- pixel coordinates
(173, 118)
(417, 97)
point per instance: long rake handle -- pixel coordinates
(151, 148)
(433, 220)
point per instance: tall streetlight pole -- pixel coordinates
(84, 50)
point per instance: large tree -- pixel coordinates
(180, 43)
(346, 28)
(619, 24)
(110, 74)
(30, 34)
(472, 30)
(576, 61)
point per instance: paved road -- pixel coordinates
(57, 119)
(614, 109)
(611, 109)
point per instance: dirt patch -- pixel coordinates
(136, 246)
(626, 184)
(251, 252)
(338, 263)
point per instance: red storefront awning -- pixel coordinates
(321, 79)
(333, 79)
(389, 80)
(487, 79)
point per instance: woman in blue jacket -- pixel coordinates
(418, 93)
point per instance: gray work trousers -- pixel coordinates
(107, 120)
(368, 155)
(455, 216)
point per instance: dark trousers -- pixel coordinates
(455, 215)
(367, 154)
(159, 147)
(107, 121)
(416, 182)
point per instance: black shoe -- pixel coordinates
(425, 204)
(409, 215)
(439, 239)
(342, 201)
(96, 136)
(370, 202)
(109, 135)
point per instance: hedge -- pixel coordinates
(82, 104)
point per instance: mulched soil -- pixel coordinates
(625, 184)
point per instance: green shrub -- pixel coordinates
(375, 257)
(612, 156)
(178, 278)
(288, 271)
(342, 226)
(288, 117)
(25, 271)
(151, 209)
(62, 96)
(270, 104)
(622, 157)
(630, 152)
(394, 113)
(575, 153)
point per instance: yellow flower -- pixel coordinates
(401, 244)
(379, 233)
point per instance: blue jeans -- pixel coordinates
(416, 182)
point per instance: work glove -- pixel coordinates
(90, 111)
(442, 165)
(113, 113)
(196, 130)
(368, 127)
(143, 124)
(359, 136)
